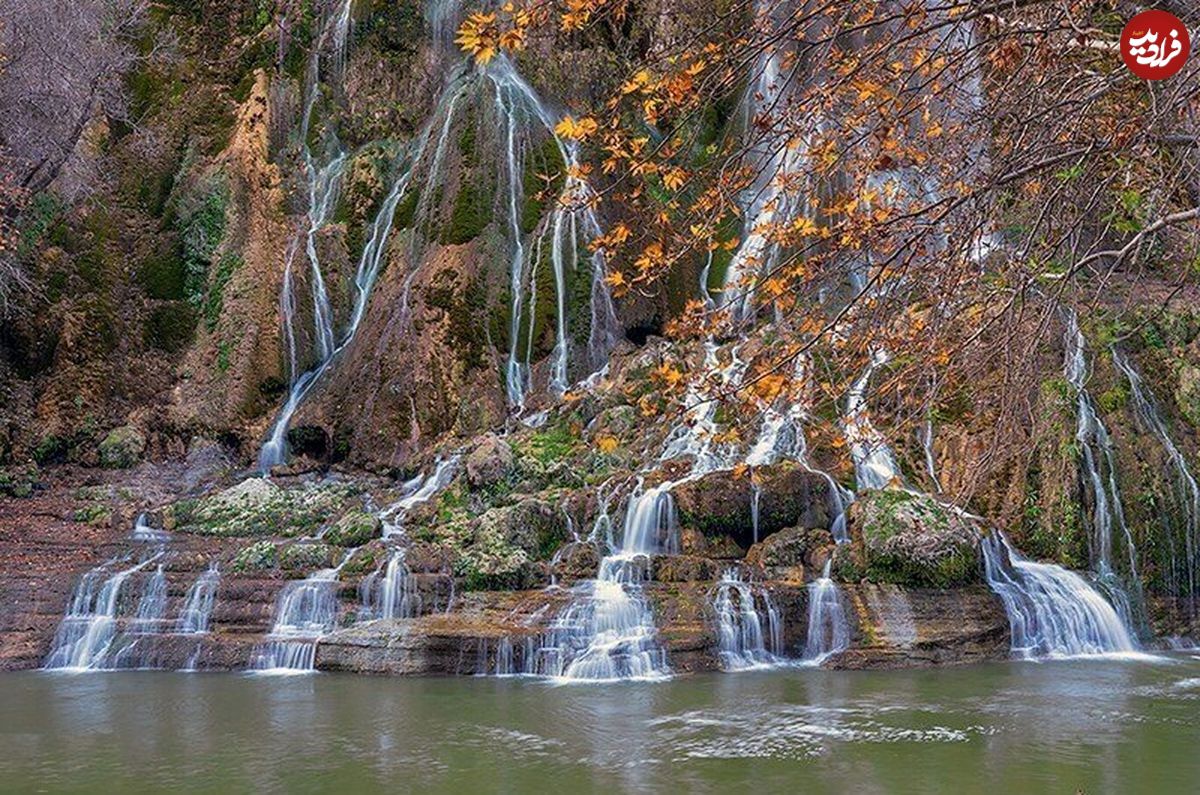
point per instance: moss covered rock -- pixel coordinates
(304, 558)
(122, 448)
(257, 557)
(911, 539)
(490, 462)
(354, 529)
(1187, 394)
(258, 507)
(18, 481)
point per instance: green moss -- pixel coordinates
(162, 276)
(471, 214)
(258, 508)
(51, 449)
(201, 223)
(354, 529)
(551, 444)
(96, 514)
(544, 174)
(171, 326)
(305, 557)
(224, 356)
(1115, 399)
(19, 481)
(214, 302)
(259, 556)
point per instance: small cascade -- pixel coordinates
(926, 434)
(396, 594)
(144, 533)
(417, 491)
(306, 611)
(1052, 612)
(694, 435)
(608, 632)
(828, 627)
(782, 436)
(562, 238)
(152, 606)
(1183, 483)
(86, 633)
(1098, 467)
(198, 606)
(874, 464)
(742, 641)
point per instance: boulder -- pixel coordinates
(122, 448)
(490, 462)
(579, 560)
(720, 504)
(913, 540)
(786, 555)
(354, 529)
(684, 568)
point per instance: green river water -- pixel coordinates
(1092, 726)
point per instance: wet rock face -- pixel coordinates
(788, 554)
(719, 504)
(579, 560)
(910, 539)
(490, 462)
(122, 448)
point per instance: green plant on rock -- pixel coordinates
(259, 556)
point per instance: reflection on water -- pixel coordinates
(1096, 726)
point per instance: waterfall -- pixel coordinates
(828, 627)
(417, 491)
(773, 160)
(152, 605)
(89, 627)
(874, 464)
(571, 225)
(694, 435)
(742, 642)
(1187, 493)
(143, 532)
(323, 184)
(197, 607)
(1052, 612)
(1098, 467)
(782, 436)
(396, 593)
(306, 611)
(608, 631)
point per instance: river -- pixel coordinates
(1096, 726)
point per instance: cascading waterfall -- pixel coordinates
(1052, 612)
(1097, 461)
(572, 223)
(608, 631)
(323, 199)
(198, 605)
(773, 159)
(143, 532)
(782, 436)
(1187, 493)
(874, 464)
(396, 594)
(152, 606)
(306, 611)
(86, 633)
(417, 491)
(742, 641)
(828, 627)
(694, 435)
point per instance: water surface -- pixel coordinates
(1095, 726)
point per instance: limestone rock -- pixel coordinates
(122, 448)
(911, 539)
(490, 462)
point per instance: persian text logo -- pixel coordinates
(1155, 45)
